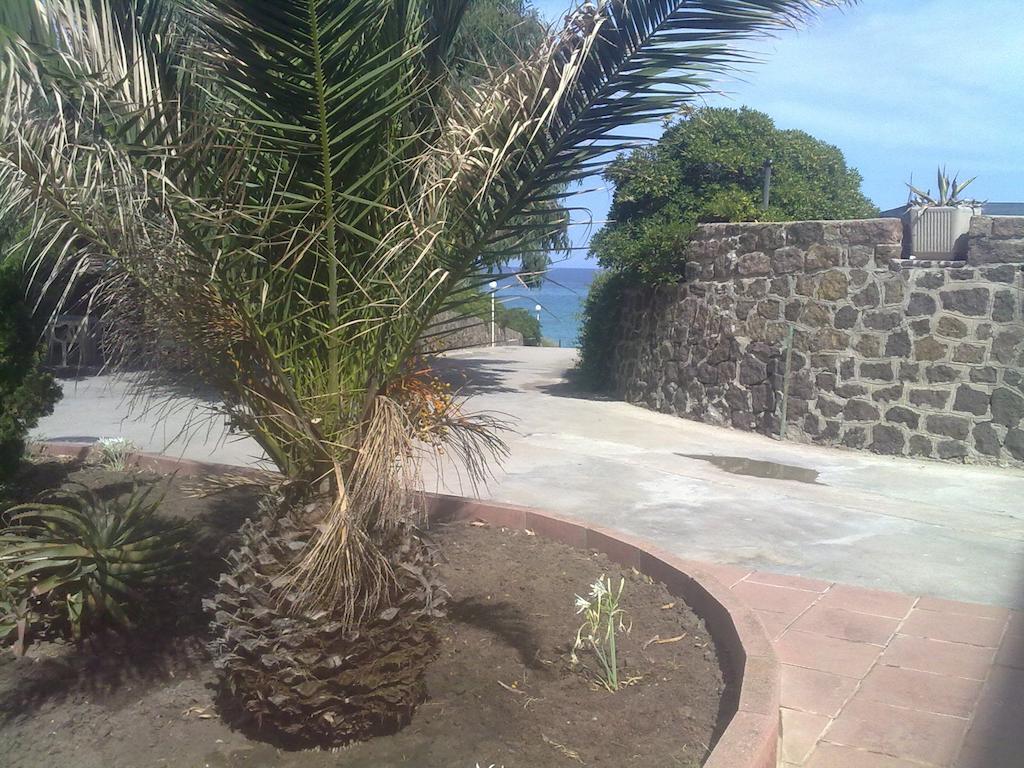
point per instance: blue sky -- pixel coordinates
(900, 86)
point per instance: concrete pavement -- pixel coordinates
(910, 526)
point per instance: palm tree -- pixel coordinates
(292, 190)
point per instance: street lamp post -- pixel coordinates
(536, 309)
(494, 287)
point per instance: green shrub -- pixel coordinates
(599, 328)
(26, 393)
(520, 320)
(517, 319)
(71, 562)
(709, 167)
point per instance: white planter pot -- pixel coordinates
(939, 232)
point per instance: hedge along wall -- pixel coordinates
(895, 356)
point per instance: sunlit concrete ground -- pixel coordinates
(917, 527)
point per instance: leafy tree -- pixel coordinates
(709, 167)
(521, 320)
(295, 189)
(26, 392)
(706, 167)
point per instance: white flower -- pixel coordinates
(582, 604)
(598, 589)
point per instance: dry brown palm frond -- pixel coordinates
(347, 564)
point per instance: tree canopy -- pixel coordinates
(709, 166)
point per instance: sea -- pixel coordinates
(560, 297)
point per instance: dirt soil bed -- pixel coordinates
(501, 693)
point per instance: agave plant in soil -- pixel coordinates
(76, 562)
(293, 190)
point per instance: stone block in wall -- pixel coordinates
(941, 374)
(887, 440)
(871, 231)
(869, 296)
(971, 400)
(930, 398)
(921, 304)
(987, 440)
(1014, 378)
(957, 427)
(951, 449)
(1015, 443)
(868, 344)
(898, 344)
(951, 327)
(833, 285)
(849, 389)
(821, 256)
(894, 291)
(969, 353)
(973, 302)
(885, 254)
(828, 406)
(882, 320)
(995, 240)
(855, 437)
(910, 371)
(859, 278)
(860, 256)
(1007, 407)
(929, 348)
(877, 371)
(1009, 227)
(846, 317)
(961, 274)
(921, 446)
(985, 375)
(804, 234)
(1006, 347)
(891, 394)
(899, 414)
(929, 279)
(1005, 273)
(787, 260)
(860, 410)
(816, 315)
(1004, 307)
(826, 339)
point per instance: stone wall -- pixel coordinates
(996, 240)
(898, 357)
(453, 331)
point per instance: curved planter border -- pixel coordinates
(751, 738)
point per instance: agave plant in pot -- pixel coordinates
(294, 190)
(937, 226)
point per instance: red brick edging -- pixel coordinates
(751, 738)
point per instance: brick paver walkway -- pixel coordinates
(875, 679)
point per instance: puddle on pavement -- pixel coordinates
(740, 465)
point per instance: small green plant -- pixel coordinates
(73, 562)
(603, 620)
(115, 452)
(949, 191)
